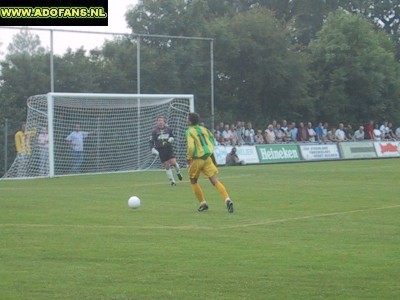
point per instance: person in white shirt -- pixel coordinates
(249, 134)
(377, 133)
(311, 132)
(384, 130)
(227, 135)
(359, 135)
(75, 140)
(43, 141)
(284, 126)
(340, 134)
(270, 135)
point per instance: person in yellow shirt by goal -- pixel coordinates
(22, 140)
(200, 149)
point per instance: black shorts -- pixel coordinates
(166, 154)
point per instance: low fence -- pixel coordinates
(277, 153)
(259, 154)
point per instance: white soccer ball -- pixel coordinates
(134, 202)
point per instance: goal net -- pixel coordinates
(114, 133)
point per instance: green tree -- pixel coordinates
(22, 75)
(24, 72)
(384, 14)
(25, 42)
(259, 75)
(253, 56)
(356, 74)
(179, 61)
(74, 72)
(158, 71)
(168, 17)
(115, 65)
(305, 18)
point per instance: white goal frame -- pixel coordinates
(146, 103)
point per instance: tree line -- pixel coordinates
(301, 60)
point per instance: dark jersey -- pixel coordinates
(159, 140)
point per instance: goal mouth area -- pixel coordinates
(114, 128)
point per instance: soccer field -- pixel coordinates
(326, 230)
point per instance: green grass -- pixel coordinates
(327, 230)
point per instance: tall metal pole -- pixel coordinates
(212, 82)
(138, 62)
(51, 61)
(138, 92)
(5, 145)
(50, 110)
(50, 128)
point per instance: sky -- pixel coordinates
(62, 40)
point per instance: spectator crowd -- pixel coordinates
(243, 133)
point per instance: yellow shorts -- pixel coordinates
(206, 167)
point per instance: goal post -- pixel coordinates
(89, 133)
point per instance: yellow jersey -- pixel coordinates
(20, 142)
(200, 142)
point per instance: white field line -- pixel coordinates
(105, 186)
(311, 217)
(189, 227)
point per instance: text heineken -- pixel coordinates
(278, 153)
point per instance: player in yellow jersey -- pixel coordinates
(19, 138)
(200, 148)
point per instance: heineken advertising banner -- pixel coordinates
(278, 153)
(319, 151)
(352, 150)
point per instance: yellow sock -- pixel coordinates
(198, 192)
(222, 190)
